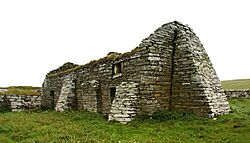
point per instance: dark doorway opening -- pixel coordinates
(75, 98)
(99, 100)
(52, 97)
(112, 93)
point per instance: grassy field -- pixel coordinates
(22, 90)
(236, 84)
(50, 126)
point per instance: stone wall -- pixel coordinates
(2, 103)
(20, 102)
(66, 99)
(237, 93)
(169, 70)
(124, 105)
(51, 90)
(195, 86)
(89, 99)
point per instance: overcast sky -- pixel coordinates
(39, 36)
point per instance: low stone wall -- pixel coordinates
(237, 93)
(1, 101)
(20, 102)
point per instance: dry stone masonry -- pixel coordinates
(2, 101)
(169, 70)
(20, 102)
(123, 107)
(67, 95)
(238, 93)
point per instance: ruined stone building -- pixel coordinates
(169, 70)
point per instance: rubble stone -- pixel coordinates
(20, 102)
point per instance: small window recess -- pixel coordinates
(117, 70)
(112, 94)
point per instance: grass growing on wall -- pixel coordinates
(236, 84)
(73, 126)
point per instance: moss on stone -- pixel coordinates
(65, 67)
(109, 58)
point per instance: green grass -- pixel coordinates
(22, 90)
(75, 126)
(236, 84)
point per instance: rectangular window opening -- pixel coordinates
(117, 70)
